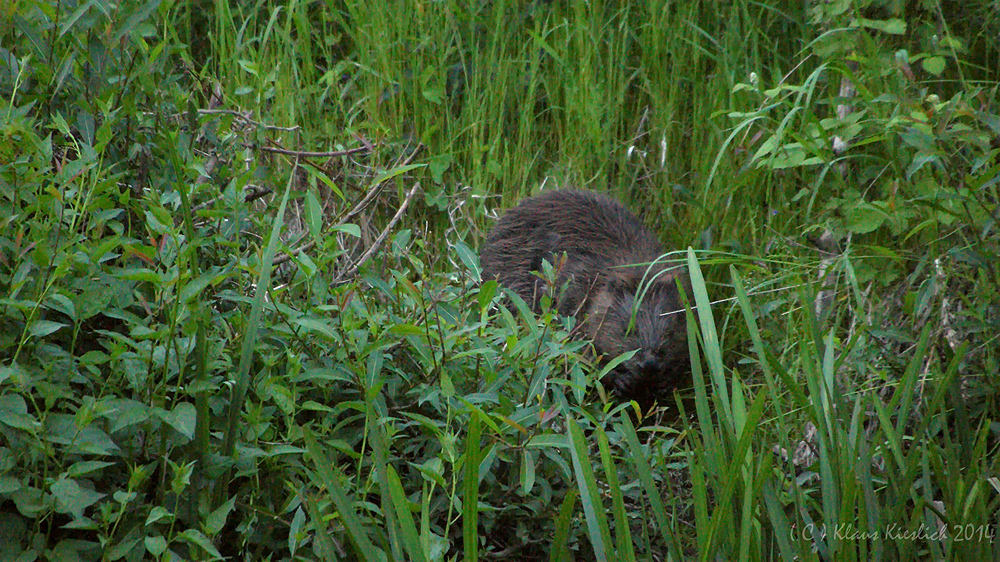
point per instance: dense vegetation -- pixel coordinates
(241, 314)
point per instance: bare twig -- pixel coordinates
(256, 192)
(253, 193)
(244, 116)
(376, 189)
(353, 270)
(844, 109)
(355, 210)
(213, 160)
(308, 154)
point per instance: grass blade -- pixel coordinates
(560, 546)
(637, 455)
(593, 509)
(626, 549)
(470, 498)
(331, 478)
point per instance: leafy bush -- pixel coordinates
(241, 314)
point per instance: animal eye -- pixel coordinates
(625, 301)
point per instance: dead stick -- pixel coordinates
(307, 154)
(381, 237)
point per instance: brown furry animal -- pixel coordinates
(599, 282)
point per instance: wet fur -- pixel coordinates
(599, 282)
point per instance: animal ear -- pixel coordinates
(667, 284)
(601, 302)
(545, 239)
(543, 247)
(613, 291)
(622, 282)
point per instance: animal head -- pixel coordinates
(638, 310)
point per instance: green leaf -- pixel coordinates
(71, 498)
(155, 545)
(438, 165)
(560, 542)
(314, 215)
(393, 172)
(469, 258)
(69, 22)
(638, 457)
(157, 514)
(86, 467)
(330, 477)
(126, 412)
(411, 540)
(61, 303)
(216, 520)
(710, 335)
(528, 459)
(348, 228)
(894, 26)
(140, 274)
(62, 429)
(934, 65)
(295, 533)
(864, 218)
(407, 330)
(593, 508)
(182, 418)
(318, 326)
(42, 328)
(194, 288)
(433, 471)
(8, 371)
(9, 484)
(949, 42)
(433, 86)
(549, 440)
(250, 337)
(196, 537)
(487, 291)
(123, 497)
(31, 502)
(135, 18)
(919, 161)
(124, 546)
(625, 546)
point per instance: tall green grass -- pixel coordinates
(591, 94)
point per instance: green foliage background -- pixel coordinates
(241, 314)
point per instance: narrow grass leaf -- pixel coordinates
(250, 338)
(408, 528)
(393, 172)
(738, 475)
(379, 443)
(702, 406)
(593, 509)
(331, 478)
(626, 549)
(560, 541)
(710, 337)
(470, 497)
(637, 455)
(778, 520)
(902, 400)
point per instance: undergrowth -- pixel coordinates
(241, 314)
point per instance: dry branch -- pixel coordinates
(353, 270)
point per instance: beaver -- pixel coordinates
(608, 253)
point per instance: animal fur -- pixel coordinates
(606, 271)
